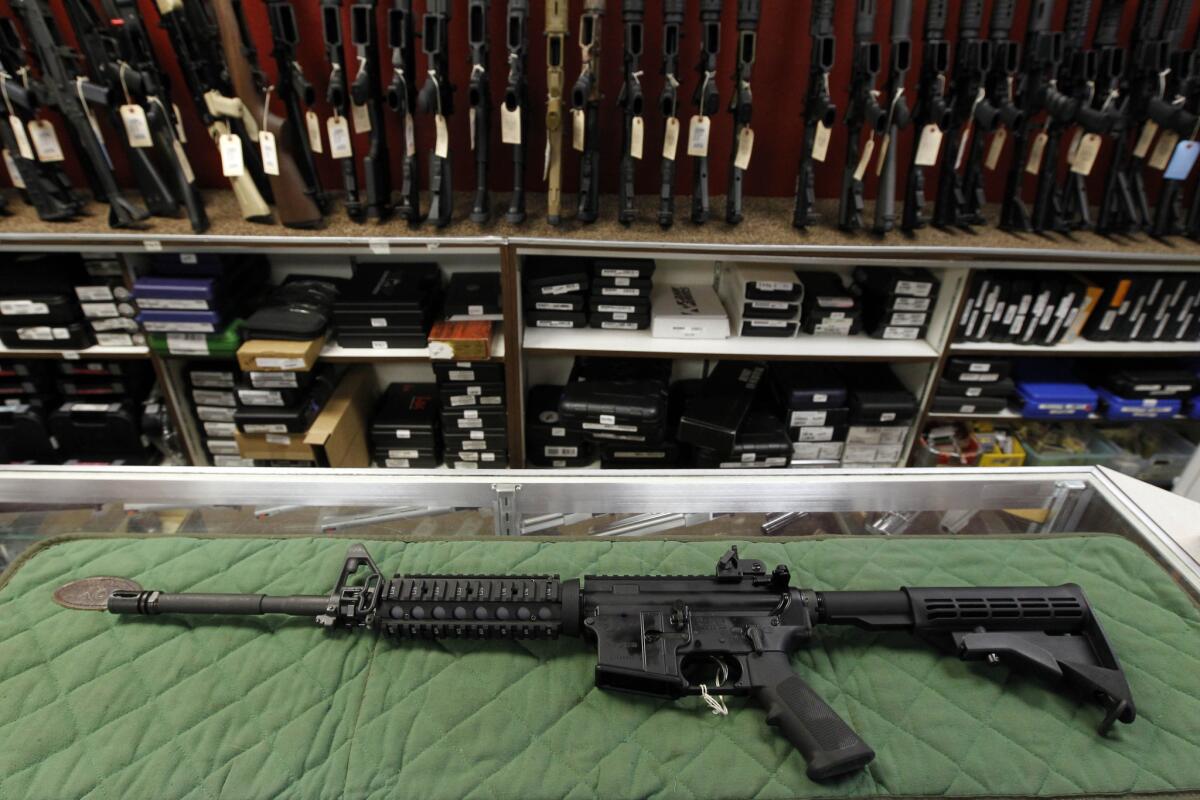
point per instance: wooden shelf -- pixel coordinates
(590, 341)
(93, 352)
(1080, 348)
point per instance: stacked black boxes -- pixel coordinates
(404, 431)
(473, 296)
(882, 412)
(620, 294)
(388, 307)
(549, 442)
(616, 403)
(816, 408)
(897, 302)
(38, 308)
(212, 391)
(555, 291)
(828, 308)
(761, 301)
(100, 418)
(724, 424)
(107, 304)
(474, 413)
(26, 397)
(974, 385)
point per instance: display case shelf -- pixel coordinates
(96, 351)
(1080, 348)
(334, 353)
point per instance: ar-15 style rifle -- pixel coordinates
(820, 113)
(366, 93)
(296, 208)
(631, 103)
(707, 100)
(437, 98)
(668, 102)
(585, 100)
(741, 107)
(930, 109)
(295, 92)
(556, 42)
(45, 184)
(1174, 112)
(194, 42)
(729, 633)
(898, 116)
(402, 100)
(1035, 94)
(71, 94)
(864, 109)
(1109, 65)
(1124, 207)
(516, 100)
(337, 94)
(480, 98)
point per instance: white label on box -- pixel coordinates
(615, 291)
(62, 333)
(554, 323)
(212, 378)
(171, 304)
(914, 288)
(474, 444)
(908, 318)
(260, 397)
(396, 463)
(748, 457)
(272, 380)
(552, 451)
(976, 377)
(210, 398)
(441, 351)
(839, 327)
(266, 362)
(470, 423)
(495, 400)
(595, 426)
(767, 323)
(379, 344)
(480, 435)
(39, 333)
(220, 429)
(974, 391)
(404, 434)
(272, 427)
(558, 432)
(222, 447)
(822, 433)
(619, 326)
(804, 419)
(278, 438)
(860, 452)
(966, 409)
(465, 465)
(231, 461)
(887, 416)
(99, 310)
(820, 398)
(616, 272)
(215, 413)
(773, 286)
(93, 293)
(979, 367)
(608, 419)
(462, 400)
(901, 333)
(22, 307)
(768, 305)
(474, 391)
(114, 340)
(553, 307)
(911, 304)
(606, 308)
(187, 344)
(178, 327)
(378, 322)
(403, 453)
(475, 311)
(462, 375)
(471, 415)
(562, 288)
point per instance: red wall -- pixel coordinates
(779, 82)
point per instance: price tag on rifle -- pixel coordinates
(1076, 140)
(270, 156)
(339, 137)
(362, 118)
(578, 129)
(884, 144)
(1183, 161)
(745, 148)
(821, 142)
(14, 174)
(1163, 150)
(23, 146)
(471, 126)
(1086, 153)
(179, 132)
(45, 141)
(314, 132)
(637, 137)
(1149, 131)
(410, 135)
(231, 156)
(546, 161)
(441, 147)
(698, 131)
(671, 139)
(1033, 164)
(929, 146)
(137, 129)
(995, 149)
(865, 159)
(963, 141)
(184, 164)
(510, 124)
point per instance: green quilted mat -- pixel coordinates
(99, 707)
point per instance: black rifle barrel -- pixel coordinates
(402, 100)
(742, 103)
(366, 93)
(150, 602)
(437, 98)
(673, 16)
(632, 102)
(707, 99)
(516, 99)
(479, 93)
(819, 110)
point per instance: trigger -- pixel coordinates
(754, 634)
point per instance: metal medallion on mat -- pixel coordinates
(91, 594)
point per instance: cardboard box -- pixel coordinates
(279, 355)
(461, 341)
(336, 438)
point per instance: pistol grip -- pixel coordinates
(828, 744)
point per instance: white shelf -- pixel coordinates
(96, 351)
(332, 352)
(641, 343)
(1012, 415)
(1081, 347)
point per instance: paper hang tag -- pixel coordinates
(821, 142)
(578, 129)
(884, 145)
(671, 139)
(270, 156)
(1074, 147)
(362, 118)
(637, 137)
(441, 147)
(18, 129)
(864, 160)
(929, 146)
(45, 141)
(314, 132)
(184, 165)
(1033, 164)
(510, 125)
(14, 174)
(1149, 131)
(410, 135)
(231, 156)
(339, 137)
(546, 160)
(698, 130)
(1163, 150)
(995, 149)
(137, 129)
(745, 148)
(963, 142)
(1183, 161)
(1086, 153)
(179, 132)
(471, 126)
